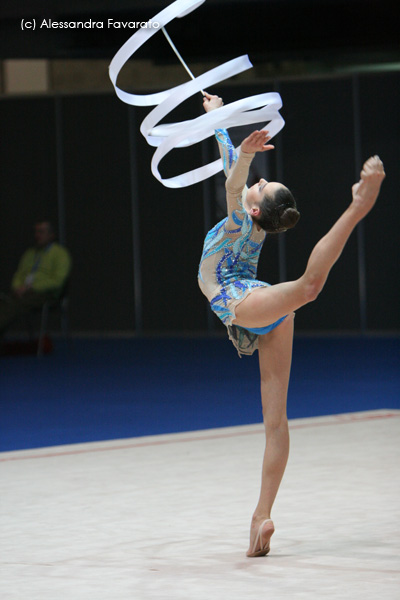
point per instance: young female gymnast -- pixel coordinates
(256, 314)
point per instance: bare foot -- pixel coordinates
(366, 191)
(260, 534)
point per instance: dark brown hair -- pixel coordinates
(278, 212)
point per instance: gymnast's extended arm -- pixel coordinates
(226, 148)
(236, 173)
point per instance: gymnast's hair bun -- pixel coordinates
(288, 218)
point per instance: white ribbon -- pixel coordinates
(186, 133)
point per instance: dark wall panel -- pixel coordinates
(380, 126)
(171, 225)
(318, 163)
(27, 176)
(98, 212)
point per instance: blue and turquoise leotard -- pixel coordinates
(228, 266)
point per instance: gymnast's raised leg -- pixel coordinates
(266, 305)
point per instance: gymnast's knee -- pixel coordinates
(276, 422)
(311, 287)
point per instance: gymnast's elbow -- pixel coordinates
(233, 190)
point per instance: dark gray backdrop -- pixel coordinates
(81, 160)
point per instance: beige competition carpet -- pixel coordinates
(167, 517)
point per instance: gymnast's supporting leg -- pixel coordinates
(275, 357)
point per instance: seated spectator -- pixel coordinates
(41, 275)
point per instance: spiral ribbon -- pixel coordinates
(166, 137)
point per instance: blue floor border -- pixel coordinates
(101, 389)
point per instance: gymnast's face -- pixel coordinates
(257, 192)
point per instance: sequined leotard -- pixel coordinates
(228, 267)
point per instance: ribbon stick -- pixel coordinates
(166, 137)
(171, 43)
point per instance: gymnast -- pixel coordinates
(256, 314)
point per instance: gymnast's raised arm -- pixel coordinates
(226, 148)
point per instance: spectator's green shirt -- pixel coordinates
(49, 267)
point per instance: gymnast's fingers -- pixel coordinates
(379, 164)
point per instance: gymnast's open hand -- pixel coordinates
(257, 142)
(211, 102)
